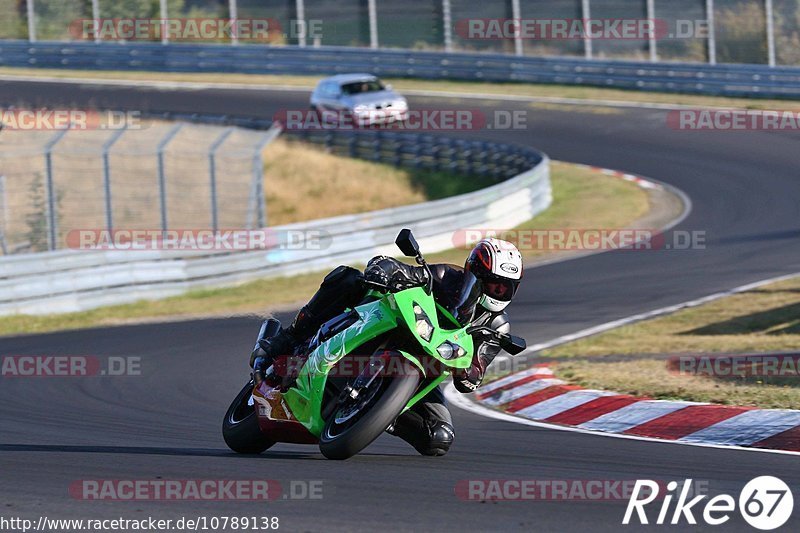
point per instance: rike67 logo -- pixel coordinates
(765, 503)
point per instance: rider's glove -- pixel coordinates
(376, 274)
(398, 276)
(469, 379)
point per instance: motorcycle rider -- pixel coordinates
(496, 270)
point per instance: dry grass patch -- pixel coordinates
(582, 199)
(651, 378)
(303, 182)
(761, 320)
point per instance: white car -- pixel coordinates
(360, 98)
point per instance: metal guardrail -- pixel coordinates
(725, 80)
(75, 280)
(460, 156)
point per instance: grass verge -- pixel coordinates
(516, 89)
(766, 319)
(299, 178)
(579, 199)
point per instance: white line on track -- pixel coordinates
(199, 86)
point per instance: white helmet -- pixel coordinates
(498, 265)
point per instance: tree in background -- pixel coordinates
(741, 33)
(12, 23)
(787, 32)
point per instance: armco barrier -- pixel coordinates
(74, 280)
(727, 79)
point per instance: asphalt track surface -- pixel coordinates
(166, 423)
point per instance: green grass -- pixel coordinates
(517, 89)
(581, 198)
(766, 319)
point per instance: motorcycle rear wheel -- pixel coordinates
(240, 427)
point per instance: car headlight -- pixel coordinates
(360, 109)
(422, 323)
(401, 104)
(449, 350)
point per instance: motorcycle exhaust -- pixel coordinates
(269, 328)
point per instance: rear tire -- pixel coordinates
(240, 427)
(339, 441)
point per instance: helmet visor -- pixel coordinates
(464, 308)
(501, 289)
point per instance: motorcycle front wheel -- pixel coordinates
(355, 423)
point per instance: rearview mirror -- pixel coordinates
(407, 243)
(513, 344)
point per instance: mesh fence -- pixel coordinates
(138, 182)
(740, 25)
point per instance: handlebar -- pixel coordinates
(510, 343)
(376, 285)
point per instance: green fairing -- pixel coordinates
(376, 318)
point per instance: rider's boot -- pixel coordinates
(341, 288)
(428, 426)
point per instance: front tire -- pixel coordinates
(349, 430)
(240, 427)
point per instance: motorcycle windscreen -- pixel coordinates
(466, 303)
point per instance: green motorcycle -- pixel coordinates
(361, 370)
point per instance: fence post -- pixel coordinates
(300, 7)
(770, 15)
(586, 13)
(257, 189)
(31, 22)
(712, 38)
(162, 181)
(516, 14)
(96, 21)
(50, 188)
(652, 43)
(212, 172)
(233, 13)
(373, 24)
(4, 205)
(107, 175)
(447, 22)
(164, 25)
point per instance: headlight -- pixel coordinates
(360, 109)
(423, 323)
(448, 350)
(401, 104)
